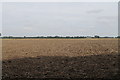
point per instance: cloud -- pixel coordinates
(95, 11)
(107, 17)
(28, 28)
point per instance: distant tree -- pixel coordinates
(88, 37)
(49, 36)
(37, 37)
(42, 37)
(118, 36)
(56, 36)
(67, 37)
(82, 37)
(96, 36)
(10, 36)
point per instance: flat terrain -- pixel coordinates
(60, 58)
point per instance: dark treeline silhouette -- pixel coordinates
(66, 37)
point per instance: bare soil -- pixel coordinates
(60, 58)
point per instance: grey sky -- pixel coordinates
(64, 19)
(0, 17)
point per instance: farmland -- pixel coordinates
(59, 58)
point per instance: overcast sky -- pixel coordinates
(62, 19)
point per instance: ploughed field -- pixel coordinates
(59, 58)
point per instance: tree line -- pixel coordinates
(68, 37)
(96, 36)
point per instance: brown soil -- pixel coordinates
(60, 58)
